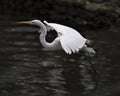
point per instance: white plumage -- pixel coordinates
(70, 40)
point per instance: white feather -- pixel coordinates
(70, 39)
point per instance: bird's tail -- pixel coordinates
(89, 42)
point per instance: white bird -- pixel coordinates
(69, 39)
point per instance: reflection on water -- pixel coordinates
(26, 70)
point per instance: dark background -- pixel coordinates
(26, 70)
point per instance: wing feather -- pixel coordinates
(71, 45)
(70, 39)
(66, 47)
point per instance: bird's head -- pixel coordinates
(35, 22)
(32, 22)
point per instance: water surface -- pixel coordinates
(27, 70)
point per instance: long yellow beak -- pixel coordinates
(25, 22)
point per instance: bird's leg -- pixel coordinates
(88, 49)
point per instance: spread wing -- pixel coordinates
(70, 39)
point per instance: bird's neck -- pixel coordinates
(43, 34)
(43, 39)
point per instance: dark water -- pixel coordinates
(26, 70)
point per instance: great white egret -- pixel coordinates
(70, 40)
